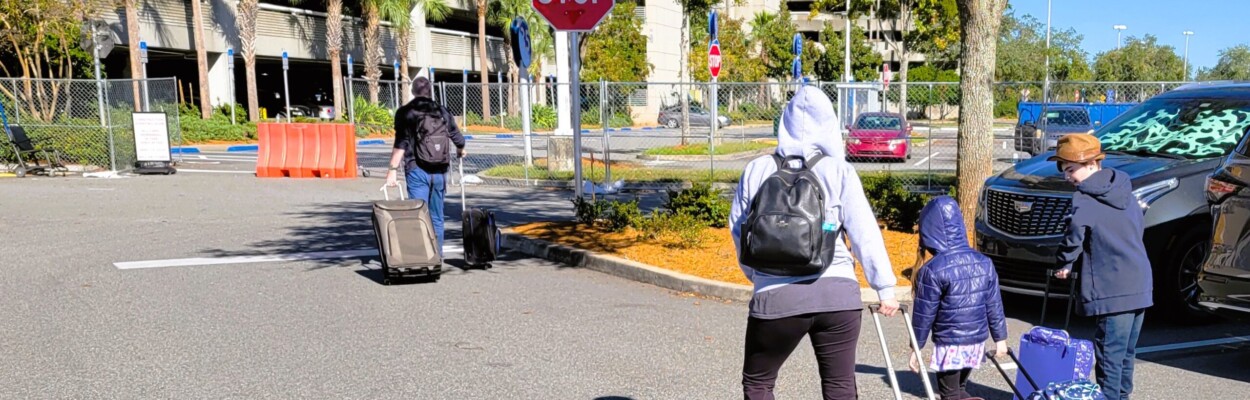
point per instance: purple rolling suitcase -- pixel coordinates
(1051, 355)
(1080, 389)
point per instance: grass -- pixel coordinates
(701, 149)
(628, 172)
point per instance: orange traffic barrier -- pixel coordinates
(306, 150)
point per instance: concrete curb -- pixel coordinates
(648, 274)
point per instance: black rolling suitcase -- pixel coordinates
(481, 235)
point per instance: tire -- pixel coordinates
(21, 172)
(671, 123)
(1176, 285)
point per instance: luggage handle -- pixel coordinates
(387, 194)
(990, 355)
(460, 170)
(1072, 276)
(875, 309)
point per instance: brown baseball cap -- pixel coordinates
(1078, 148)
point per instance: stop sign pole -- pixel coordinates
(575, 17)
(713, 66)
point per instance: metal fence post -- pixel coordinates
(464, 97)
(499, 84)
(606, 118)
(929, 159)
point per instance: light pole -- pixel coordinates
(1185, 64)
(1118, 29)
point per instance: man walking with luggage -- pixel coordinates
(424, 134)
(1104, 240)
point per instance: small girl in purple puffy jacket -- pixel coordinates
(957, 299)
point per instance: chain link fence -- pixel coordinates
(88, 122)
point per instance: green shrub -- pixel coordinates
(196, 130)
(372, 118)
(543, 117)
(894, 204)
(702, 203)
(623, 214)
(680, 230)
(588, 211)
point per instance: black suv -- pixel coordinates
(1224, 284)
(1169, 144)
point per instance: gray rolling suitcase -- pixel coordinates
(407, 243)
(885, 350)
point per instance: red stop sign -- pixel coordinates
(573, 15)
(713, 60)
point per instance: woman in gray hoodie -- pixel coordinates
(825, 306)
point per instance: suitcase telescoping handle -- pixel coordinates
(460, 170)
(875, 309)
(990, 355)
(387, 194)
(1072, 276)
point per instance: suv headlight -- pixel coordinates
(1149, 193)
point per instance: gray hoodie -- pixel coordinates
(810, 124)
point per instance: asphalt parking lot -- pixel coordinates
(193, 286)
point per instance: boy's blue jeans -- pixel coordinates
(431, 188)
(1115, 347)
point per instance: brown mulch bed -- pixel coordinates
(715, 259)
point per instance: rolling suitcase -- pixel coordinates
(1052, 355)
(1079, 389)
(481, 235)
(885, 350)
(406, 241)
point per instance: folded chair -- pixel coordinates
(28, 153)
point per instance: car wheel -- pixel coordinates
(1180, 279)
(671, 123)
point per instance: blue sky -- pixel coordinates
(1217, 24)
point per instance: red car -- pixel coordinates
(879, 136)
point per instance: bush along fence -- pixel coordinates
(88, 121)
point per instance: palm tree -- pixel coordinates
(501, 14)
(399, 14)
(371, 11)
(245, 18)
(482, 58)
(201, 59)
(334, 46)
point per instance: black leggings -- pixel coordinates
(769, 343)
(953, 385)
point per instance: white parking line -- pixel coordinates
(214, 171)
(204, 261)
(925, 160)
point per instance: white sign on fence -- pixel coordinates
(151, 137)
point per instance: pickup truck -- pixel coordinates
(1041, 124)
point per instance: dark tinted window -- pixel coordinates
(1191, 128)
(1067, 117)
(879, 122)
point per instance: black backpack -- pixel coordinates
(432, 138)
(783, 233)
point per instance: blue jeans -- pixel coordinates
(1115, 347)
(431, 188)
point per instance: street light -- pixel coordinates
(1118, 29)
(1185, 64)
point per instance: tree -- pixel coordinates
(399, 14)
(617, 50)
(827, 55)
(334, 46)
(39, 40)
(482, 60)
(245, 18)
(1234, 64)
(1022, 52)
(774, 34)
(501, 14)
(1141, 59)
(738, 56)
(979, 24)
(132, 43)
(936, 26)
(371, 11)
(201, 59)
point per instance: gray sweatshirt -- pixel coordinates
(808, 124)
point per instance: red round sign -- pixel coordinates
(573, 15)
(713, 60)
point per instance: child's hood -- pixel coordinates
(1109, 186)
(942, 226)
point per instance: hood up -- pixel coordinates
(1110, 187)
(808, 123)
(942, 226)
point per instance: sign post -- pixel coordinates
(885, 78)
(575, 17)
(230, 67)
(713, 66)
(286, 86)
(143, 60)
(395, 92)
(521, 54)
(351, 92)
